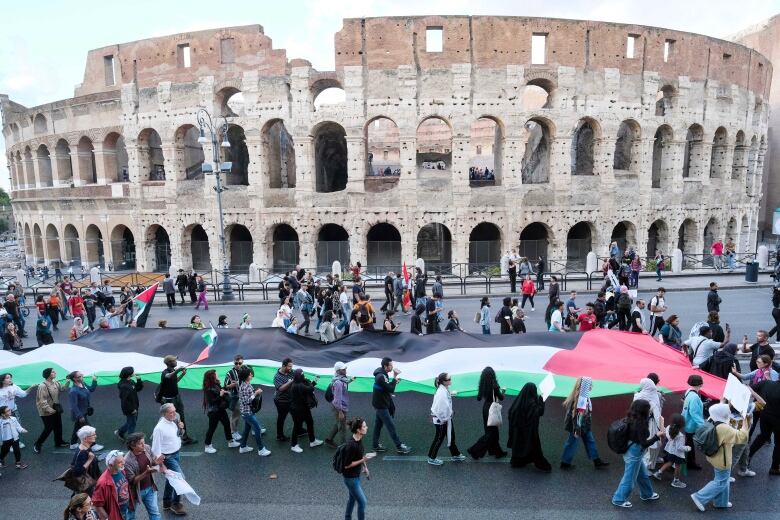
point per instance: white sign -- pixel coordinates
(176, 480)
(547, 386)
(737, 393)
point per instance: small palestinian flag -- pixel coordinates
(143, 304)
(209, 337)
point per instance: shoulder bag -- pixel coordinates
(494, 413)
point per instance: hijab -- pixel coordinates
(649, 393)
(583, 399)
(720, 412)
(526, 407)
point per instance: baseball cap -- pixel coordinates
(169, 359)
(339, 366)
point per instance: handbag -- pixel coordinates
(257, 403)
(494, 413)
(57, 407)
(90, 411)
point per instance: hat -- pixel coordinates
(695, 380)
(339, 366)
(169, 359)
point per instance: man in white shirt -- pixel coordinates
(703, 346)
(166, 441)
(657, 310)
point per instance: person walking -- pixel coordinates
(484, 315)
(10, 429)
(80, 409)
(717, 490)
(433, 314)
(192, 287)
(355, 462)
(128, 397)
(635, 471)
(181, 284)
(713, 299)
(112, 497)
(505, 316)
(140, 467)
(47, 401)
(660, 265)
(554, 291)
(693, 414)
(170, 291)
(528, 289)
(384, 407)
(84, 461)
(488, 392)
(231, 384)
(540, 265)
(648, 391)
(246, 397)
(340, 404)
(675, 451)
(215, 401)
(302, 400)
(202, 294)
(524, 416)
(769, 391)
(513, 273)
(441, 415)
(168, 392)
(283, 380)
(578, 422)
(657, 309)
(167, 442)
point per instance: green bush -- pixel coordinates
(650, 265)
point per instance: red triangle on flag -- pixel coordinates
(146, 296)
(203, 355)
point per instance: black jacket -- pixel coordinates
(639, 433)
(300, 393)
(713, 301)
(382, 398)
(128, 395)
(181, 281)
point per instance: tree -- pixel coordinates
(5, 200)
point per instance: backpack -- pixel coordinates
(617, 436)
(706, 438)
(497, 317)
(363, 316)
(624, 301)
(329, 393)
(339, 458)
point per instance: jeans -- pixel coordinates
(732, 261)
(717, 260)
(355, 495)
(635, 473)
(658, 273)
(149, 497)
(129, 426)
(399, 300)
(383, 418)
(716, 490)
(570, 447)
(202, 299)
(485, 329)
(305, 323)
(251, 423)
(169, 495)
(527, 297)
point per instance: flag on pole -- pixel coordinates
(209, 337)
(406, 275)
(143, 304)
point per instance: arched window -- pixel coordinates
(53, 246)
(150, 155)
(44, 166)
(535, 166)
(485, 146)
(664, 100)
(434, 147)
(627, 147)
(718, 163)
(39, 124)
(238, 155)
(115, 158)
(537, 94)
(330, 96)
(190, 152)
(123, 248)
(72, 250)
(624, 233)
(657, 238)
(661, 156)
(94, 241)
(330, 157)
(231, 102)
(383, 148)
(199, 249)
(686, 237)
(279, 153)
(583, 148)
(692, 159)
(64, 163)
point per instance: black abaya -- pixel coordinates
(524, 441)
(489, 443)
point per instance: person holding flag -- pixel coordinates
(168, 391)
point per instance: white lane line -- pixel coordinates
(421, 458)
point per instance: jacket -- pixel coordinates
(299, 395)
(693, 411)
(382, 398)
(78, 398)
(128, 395)
(727, 438)
(132, 470)
(10, 429)
(441, 409)
(713, 301)
(181, 281)
(168, 287)
(340, 393)
(47, 395)
(104, 496)
(327, 334)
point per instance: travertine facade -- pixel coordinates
(661, 150)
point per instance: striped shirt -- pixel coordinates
(279, 380)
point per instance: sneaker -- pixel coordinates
(116, 433)
(656, 475)
(696, 502)
(233, 444)
(97, 447)
(22, 465)
(625, 504)
(532, 309)
(36, 448)
(654, 496)
(210, 449)
(330, 444)
(245, 449)
(403, 449)
(379, 448)
(264, 452)
(315, 443)
(679, 484)
(262, 431)
(236, 436)
(435, 462)
(458, 458)
(732, 480)
(746, 473)
(728, 505)
(296, 449)
(73, 446)
(21, 445)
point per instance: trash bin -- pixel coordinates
(751, 272)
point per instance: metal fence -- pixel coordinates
(285, 255)
(383, 253)
(240, 255)
(482, 252)
(332, 251)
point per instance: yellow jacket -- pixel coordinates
(727, 438)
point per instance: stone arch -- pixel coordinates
(383, 247)
(93, 239)
(535, 239)
(657, 238)
(692, 156)
(285, 247)
(330, 157)
(434, 244)
(200, 252)
(238, 155)
(332, 245)
(151, 162)
(537, 94)
(279, 155)
(579, 242)
(687, 237)
(485, 245)
(486, 144)
(624, 233)
(710, 234)
(158, 248)
(44, 166)
(86, 156)
(434, 147)
(584, 146)
(53, 246)
(663, 160)
(64, 163)
(664, 100)
(738, 165)
(123, 253)
(37, 238)
(230, 101)
(535, 166)
(383, 147)
(240, 249)
(40, 125)
(115, 160)
(719, 155)
(70, 237)
(333, 96)
(189, 151)
(628, 147)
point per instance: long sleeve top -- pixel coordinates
(727, 438)
(693, 411)
(165, 438)
(10, 429)
(47, 396)
(484, 316)
(246, 394)
(8, 395)
(78, 398)
(441, 409)
(676, 445)
(340, 394)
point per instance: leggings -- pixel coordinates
(439, 437)
(214, 419)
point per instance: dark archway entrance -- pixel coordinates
(533, 241)
(434, 245)
(199, 248)
(383, 245)
(332, 246)
(484, 245)
(240, 249)
(579, 242)
(285, 248)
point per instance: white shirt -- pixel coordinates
(9, 394)
(441, 409)
(343, 298)
(556, 317)
(165, 438)
(703, 348)
(660, 302)
(10, 429)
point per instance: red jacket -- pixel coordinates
(105, 496)
(529, 287)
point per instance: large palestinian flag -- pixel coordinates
(615, 360)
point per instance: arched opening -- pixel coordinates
(536, 96)
(94, 240)
(123, 248)
(434, 149)
(686, 237)
(434, 245)
(158, 249)
(231, 102)
(664, 100)
(383, 247)
(190, 152)
(534, 239)
(39, 124)
(151, 162)
(330, 96)
(711, 234)
(21, 174)
(657, 238)
(72, 249)
(199, 249)
(240, 244)
(238, 155)
(332, 245)
(738, 165)
(732, 231)
(286, 248)
(44, 166)
(535, 166)
(583, 148)
(279, 153)
(627, 147)
(484, 245)
(64, 163)
(662, 159)
(330, 157)
(624, 233)
(28, 244)
(86, 154)
(692, 158)
(115, 158)
(579, 242)
(718, 158)
(485, 147)
(38, 244)
(383, 148)
(53, 246)
(29, 168)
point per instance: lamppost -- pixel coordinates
(217, 168)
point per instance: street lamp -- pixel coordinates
(217, 131)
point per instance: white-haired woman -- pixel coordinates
(84, 460)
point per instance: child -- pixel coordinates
(9, 434)
(675, 450)
(292, 328)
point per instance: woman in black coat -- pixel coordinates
(489, 390)
(417, 323)
(128, 397)
(302, 400)
(524, 442)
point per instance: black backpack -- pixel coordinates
(339, 458)
(706, 438)
(624, 301)
(617, 436)
(363, 316)
(329, 393)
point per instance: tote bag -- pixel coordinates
(494, 413)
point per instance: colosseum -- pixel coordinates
(456, 139)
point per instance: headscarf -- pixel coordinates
(730, 348)
(762, 374)
(525, 408)
(649, 393)
(583, 399)
(720, 412)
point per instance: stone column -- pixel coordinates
(307, 251)
(101, 155)
(306, 178)
(460, 165)
(407, 184)
(133, 158)
(29, 173)
(645, 170)
(108, 250)
(705, 161)
(75, 161)
(511, 176)
(560, 164)
(170, 165)
(257, 183)
(671, 169)
(603, 162)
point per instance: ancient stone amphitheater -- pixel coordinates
(454, 140)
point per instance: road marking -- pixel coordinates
(421, 458)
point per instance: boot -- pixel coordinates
(598, 463)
